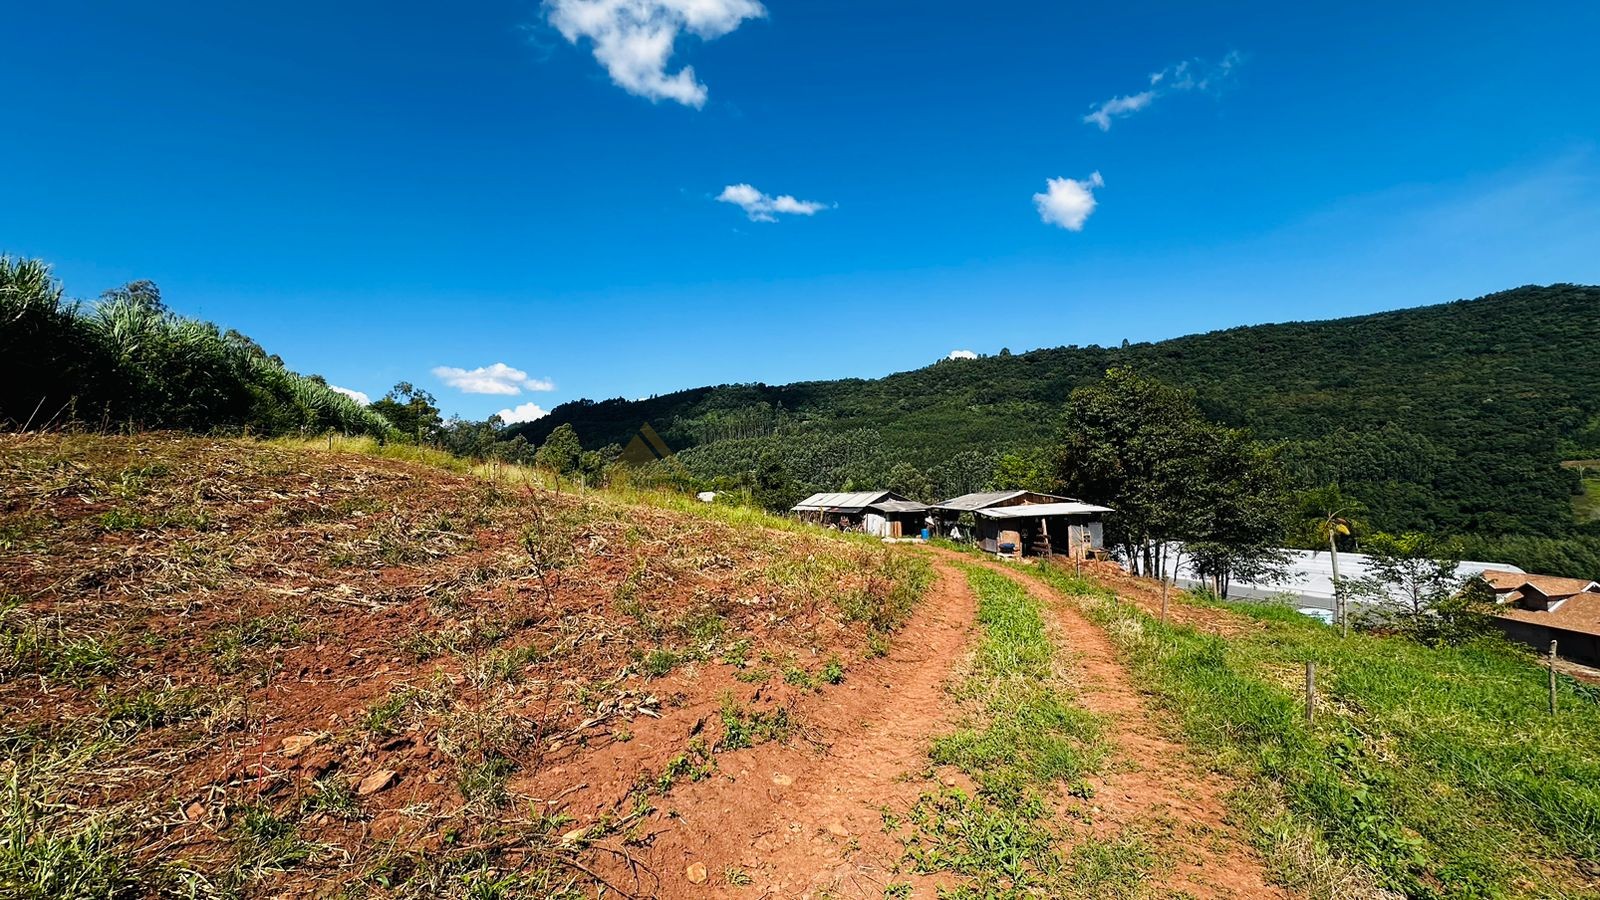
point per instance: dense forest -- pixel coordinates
(1452, 418)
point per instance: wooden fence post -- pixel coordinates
(1311, 691)
(1552, 678)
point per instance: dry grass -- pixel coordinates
(177, 609)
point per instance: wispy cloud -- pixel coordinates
(1189, 75)
(962, 354)
(764, 208)
(357, 396)
(525, 412)
(496, 379)
(1067, 202)
(634, 39)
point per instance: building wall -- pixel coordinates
(1574, 645)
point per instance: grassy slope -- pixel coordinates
(1438, 772)
(175, 608)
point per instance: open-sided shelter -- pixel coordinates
(1026, 522)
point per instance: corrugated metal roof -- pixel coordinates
(1038, 510)
(971, 502)
(856, 500)
(898, 506)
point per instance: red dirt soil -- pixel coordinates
(790, 819)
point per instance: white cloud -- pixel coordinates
(1067, 202)
(763, 208)
(962, 354)
(357, 396)
(526, 412)
(496, 379)
(1189, 75)
(634, 39)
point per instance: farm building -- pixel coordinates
(1538, 609)
(1024, 522)
(883, 513)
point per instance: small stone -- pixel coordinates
(386, 827)
(375, 782)
(696, 873)
(194, 812)
(837, 829)
(782, 780)
(296, 744)
(574, 836)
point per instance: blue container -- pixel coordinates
(924, 534)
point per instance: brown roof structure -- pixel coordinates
(1548, 585)
(1573, 603)
(1579, 612)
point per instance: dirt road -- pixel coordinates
(801, 818)
(1156, 785)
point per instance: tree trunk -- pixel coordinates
(1341, 608)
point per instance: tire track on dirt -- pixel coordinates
(1156, 786)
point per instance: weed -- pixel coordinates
(659, 662)
(483, 784)
(877, 644)
(798, 677)
(387, 716)
(231, 646)
(127, 714)
(505, 665)
(897, 890)
(266, 842)
(744, 728)
(694, 764)
(737, 654)
(833, 672)
(737, 877)
(31, 647)
(332, 795)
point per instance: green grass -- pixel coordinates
(43, 857)
(29, 646)
(1436, 772)
(1024, 742)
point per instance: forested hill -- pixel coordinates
(1451, 417)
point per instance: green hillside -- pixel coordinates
(1451, 418)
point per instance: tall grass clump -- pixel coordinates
(129, 361)
(1437, 771)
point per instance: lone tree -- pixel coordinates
(412, 411)
(1142, 447)
(561, 451)
(1436, 605)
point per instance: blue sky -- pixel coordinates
(385, 191)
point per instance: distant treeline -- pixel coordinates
(1450, 419)
(127, 361)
